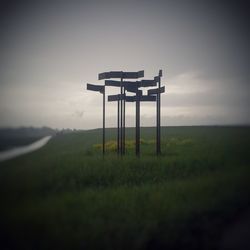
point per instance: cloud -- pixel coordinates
(191, 89)
(50, 52)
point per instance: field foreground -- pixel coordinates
(67, 196)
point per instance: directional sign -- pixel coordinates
(157, 78)
(133, 75)
(93, 87)
(121, 74)
(130, 98)
(142, 83)
(138, 84)
(147, 83)
(156, 91)
(130, 84)
(147, 98)
(112, 98)
(112, 83)
(111, 74)
(143, 98)
(132, 89)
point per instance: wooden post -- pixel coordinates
(158, 118)
(121, 102)
(121, 120)
(103, 124)
(118, 126)
(124, 124)
(137, 125)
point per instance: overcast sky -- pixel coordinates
(51, 49)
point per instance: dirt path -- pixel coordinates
(15, 152)
(237, 235)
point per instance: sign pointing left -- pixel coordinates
(121, 74)
(93, 87)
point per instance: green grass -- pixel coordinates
(67, 196)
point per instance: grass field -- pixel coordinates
(67, 196)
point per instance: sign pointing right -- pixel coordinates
(156, 91)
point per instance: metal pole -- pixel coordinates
(158, 121)
(137, 125)
(121, 120)
(118, 127)
(103, 130)
(124, 124)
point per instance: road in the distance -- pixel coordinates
(12, 153)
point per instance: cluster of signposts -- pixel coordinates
(125, 86)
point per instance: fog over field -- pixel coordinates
(51, 49)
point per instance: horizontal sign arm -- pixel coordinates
(112, 98)
(133, 89)
(133, 75)
(130, 98)
(112, 83)
(156, 91)
(121, 74)
(147, 98)
(147, 83)
(143, 98)
(138, 84)
(93, 87)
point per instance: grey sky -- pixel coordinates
(50, 50)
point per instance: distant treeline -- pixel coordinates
(14, 137)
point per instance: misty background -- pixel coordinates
(51, 49)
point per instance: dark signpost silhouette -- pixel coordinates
(158, 91)
(117, 98)
(121, 123)
(153, 95)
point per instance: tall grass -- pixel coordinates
(67, 196)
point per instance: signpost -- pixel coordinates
(121, 120)
(137, 124)
(139, 84)
(112, 98)
(98, 88)
(158, 124)
(158, 91)
(137, 98)
(121, 74)
(132, 87)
